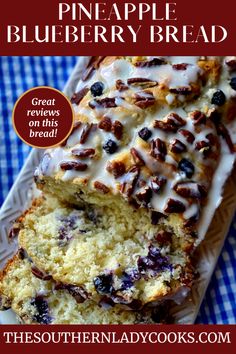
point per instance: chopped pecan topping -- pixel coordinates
(14, 232)
(231, 63)
(92, 65)
(177, 147)
(117, 129)
(190, 190)
(105, 124)
(83, 153)
(141, 81)
(174, 206)
(144, 99)
(158, 149)
(78, 96)
(163, 237)
(40, 274)
(172, 123)
(73, 165)
(131, 178)
(107, 102)
(188, 135)
(85, 132)
(204, 147)
(157, 183)
(144, 195)
(182, 66)
(198, 117)
(184, 90)
(212, 139)
(117, 168)
(136, 157)
(156, 216)
(223, 131)
(101, 187)
(121, 86)
(153, 62)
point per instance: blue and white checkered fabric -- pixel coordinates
(17, 74)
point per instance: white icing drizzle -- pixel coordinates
(134, 119)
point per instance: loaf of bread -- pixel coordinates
(105, 253)
(130, 193)
(38, 299)
(149, 134)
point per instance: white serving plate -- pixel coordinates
(23, 191)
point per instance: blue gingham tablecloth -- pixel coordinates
(17, 74)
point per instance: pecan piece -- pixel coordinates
(198, 117)
(177, 147)
(174, 206)
(204, 147)
(107, 102)
(121, 86)
(83, 153)
(101, 187)
(14, 232)
(184, 90)
(117, 168)
(131, 178)
(144, 195)
(231, 63)
(223, 131)
(136, 157)
(40, 274)
(190, 190)
(182, 66)
(92, 65)
(78, 96)
(105, 124)
(188, 135)
(158, 149)
(78, 292)
(163, 237)
(141, 81)
(73, 165)
(156, 216)
(117, 129)
(144, 99)
(85, 132)
(172, 123)
(152, 62)
(157, 183)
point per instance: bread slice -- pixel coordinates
(105, 253)
(149, 135)
(37, 301)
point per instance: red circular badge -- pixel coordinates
(43, 117)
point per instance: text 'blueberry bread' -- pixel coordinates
(39, 300)
(110, 255)
(151, 133)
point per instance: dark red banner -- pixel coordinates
(117, 339)
(88, 27)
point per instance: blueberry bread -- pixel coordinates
(150, 134)
(37, 299)
(107, 254)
